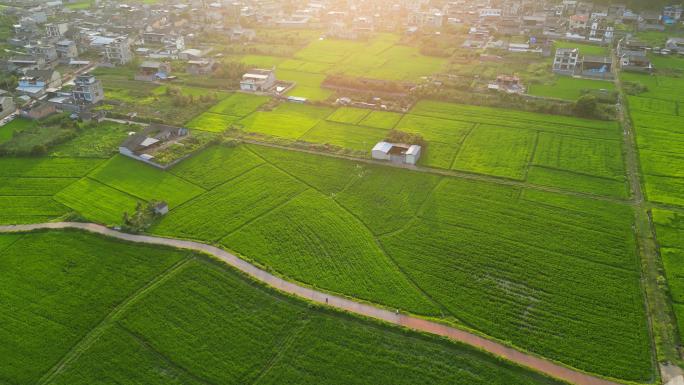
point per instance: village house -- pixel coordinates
(36, 82)
(7, 106)
(117, 51)
(258, 80)
(87, 89)
(508, 84)
(141, 146)
(675, 44)
(597, 67)
(66, 50)
(636, 62)
(38, 110)
(200, 66)
(566, 60)
(397, 152)
(23, 63)
(150, 71)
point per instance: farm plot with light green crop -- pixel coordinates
(288, 120)
(350, 115)
(47, 167)
(144, 181)
(16, 125)
(381, 119)
(468, 246)
(29, 209)
(239, 104)
(498, 151)
(669, 229)
(308, 84)
(444, 137)
(377, 188)
(350, 136)
(556, 292)
(660, 139)
(325, 174)
(209, 121)
(231, 205)
(49, 279)
(216, 165)
(97, 141)
(97, 202)
(585, 165)
(660, 106)
(182, 319)
(332, 249)
(34, 186)
(569, 88)
(585, 49)
(599, 129)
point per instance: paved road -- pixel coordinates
(539, 364)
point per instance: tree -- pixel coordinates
(586, 106)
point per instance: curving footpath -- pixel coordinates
(536, 363)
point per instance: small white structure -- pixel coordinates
(161, 208)
(258, 80)
(396, 152)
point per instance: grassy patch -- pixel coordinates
(97, 202)
(145, 182)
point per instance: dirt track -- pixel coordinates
(539, 364)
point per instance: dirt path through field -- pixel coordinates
(524, 359)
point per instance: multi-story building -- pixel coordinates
(118, 51)
(566, 60)
(87, 89)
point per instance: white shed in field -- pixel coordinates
(396, 152)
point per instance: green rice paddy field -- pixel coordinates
(563, 152)
(659, 129)
(163, 316)
(431, 245)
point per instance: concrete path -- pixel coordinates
(539, 364)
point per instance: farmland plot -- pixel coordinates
(350, 115)
(598, 129)
(669, 228)
(33, 186)
(652, 105)
(660, 139)
(226, 208)
(29, 209)
(97, 202)
(578, 164)
(204, 323)
(239, 104)
(569, 88)
(349, 136)
(288, 120)
(49, 278)
(496, 151)
(327, 175)
(100, 141)
(216, 165)
(378, 189)
(209, 121)
(145, 182)
(557, 293)
(332, 350)
(47, 167)
(331, 249)
(381, 119)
